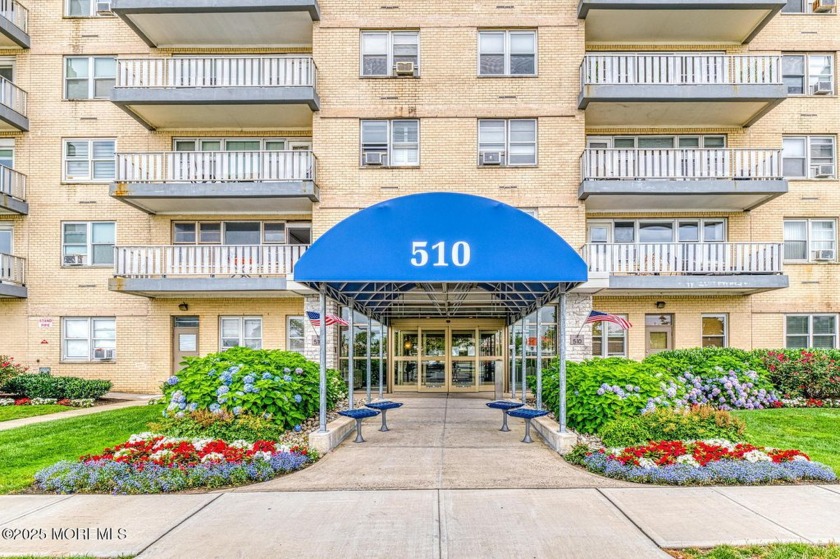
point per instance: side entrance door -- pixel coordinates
(659, 333)
(184, 339)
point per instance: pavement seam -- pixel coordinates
(33, 511)
(827, 489)
(627, 516)
(441, 551)
(189, 516)
(755, 512)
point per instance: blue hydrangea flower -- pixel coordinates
(222, 390)
(237, 410)
(266, 376)
(287, 370)
(215, 408)
(298, 428)
(298, 398)
(287, 378)
(298, 371)
(249, 379)
(172, 381)
(192, 407)
(182, 406)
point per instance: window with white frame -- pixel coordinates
(89, 160)
(808, 157)
(655, 142)
(809, 7)
(7, 152)
(715, 330)
(88, 338)
(89, 77)
(245, 331)
(507, 53)
(811, 330)
(390, 143)
(295, 333)
(808, 74)
(382, 51)
(239, 144)
(84, 8)
(809, 240)
(242, 232)
(507, 142)
(88, 243)
(651, 231)
(609, 340)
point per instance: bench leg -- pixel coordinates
(359, 438)
(505, 427)
(384, 423)
(527, 438)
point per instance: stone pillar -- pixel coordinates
(311, 348)
(578, 307)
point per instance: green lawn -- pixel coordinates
(25, 450)
(774, 551)
(814, 431)
(19, 412)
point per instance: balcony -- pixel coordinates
(12, 277)
(220, 23)
(12, 107)
(675, 22)
(207, 271)
(218, 92)
(680, 179)
(12, 192)
(661, 91)
(14, 25)
(185, 182)
(696, 269)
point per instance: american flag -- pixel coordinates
(597, 316)
(315, 319)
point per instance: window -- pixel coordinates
(382, 50)
(242, 233)
(295, 333)
(615, 344)
(394, 143)
(712, 230)
(507, 142)
(808, 74)
(811, 330)
(239, 144)
(89, 160)
(89, 77)
(808, 157)
(88, 243)
(243, 331)
(7, 152)
(655, 142)
(507, 53)
(807, 240)
(715, 330)
(807, 7)
(88, 338)
(81, 8)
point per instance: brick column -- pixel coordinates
(578, 307)
(311, 349)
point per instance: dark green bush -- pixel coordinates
(48, 386)
(706, 360)
(664, 424)
(803, 373)
(226, 426)
(624, 431)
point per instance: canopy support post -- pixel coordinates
(351, 350)
(539, 360)
(322, 403)
(381, 350)
(561, 353)
(524, 341)
(513, 361)
(367, 354)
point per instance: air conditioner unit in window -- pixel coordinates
(823, 6)
(102, 354)
(491, 157)
(404, 68)
(821, 88)
(103, 8)
(74, 260)
(824, 171)
(375, 158)
(823, 255)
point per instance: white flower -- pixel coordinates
(757, 456)
(239, 443)
(647, 463)
(615, 451)
(720, 442)
(160, 455)
(800, 458)
(199, 444)
(123, 452)
(688, 460)
(169, 440)
(145, 436)
(213, 457)
(262, 455)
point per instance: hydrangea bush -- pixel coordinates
(722, 390)
(279, 385)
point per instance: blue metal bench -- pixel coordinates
(359, 414)
(384, 406)
(527, 414)
(505, 406)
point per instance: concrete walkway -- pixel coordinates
(130, 400)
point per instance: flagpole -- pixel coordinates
(351, 372)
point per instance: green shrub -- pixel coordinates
(706, 360)
(577, 454)
(282, 385)
(664, 424)
(803, 373)
(9, 369)
(48, 386)
(225, 426)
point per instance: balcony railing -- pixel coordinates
(684, 258)
(12, 183)
(216, 166)
(206, 261)
(12, 96)
(680, 69)
(12, 269)
(16, 13)
(217, 71)
(681, 164)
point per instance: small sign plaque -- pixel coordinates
(576, 340)
(45, 323)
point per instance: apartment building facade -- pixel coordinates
(166, 162)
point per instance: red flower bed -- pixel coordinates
(666, 453)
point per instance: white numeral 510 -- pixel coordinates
(459, 254)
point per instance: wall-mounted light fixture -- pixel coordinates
(660, 304)
(183, 307)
